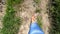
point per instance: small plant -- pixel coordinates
(37, 11)
(0, 29)
(14, 2)
(39, 21)
(37, 1)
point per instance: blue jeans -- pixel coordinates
(35, 29)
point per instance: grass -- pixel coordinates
(39, 21)
(0, 29)
(37, 10)
(14, 2)
(11, 23)
(37, 1)
(55, 25)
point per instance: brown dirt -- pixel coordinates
(26, 13)
(28, 10)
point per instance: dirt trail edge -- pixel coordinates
(2, 12)
(44, 14)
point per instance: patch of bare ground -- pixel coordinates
(26, 11)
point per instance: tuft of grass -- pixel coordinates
(0, 29)
(11, 23)
(37, 11)
(14, 2)
(37, 1)
(55, 14)
(39, 21)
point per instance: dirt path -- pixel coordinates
(27, 11)
(45, 15)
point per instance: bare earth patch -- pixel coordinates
(26, 13)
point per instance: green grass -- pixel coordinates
(55, 14)
(14, 2)
(37, 1)
(11, 23)
(18, 1)
(39, 21)
(37, 10)
(0, 29)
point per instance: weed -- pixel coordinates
(37, 11)
(37, 1)
(39, 21)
